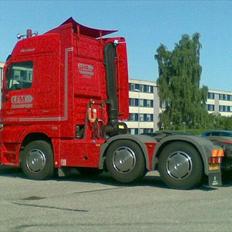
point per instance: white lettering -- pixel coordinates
(86, 69)
(27, 50)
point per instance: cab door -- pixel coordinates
(17, 92)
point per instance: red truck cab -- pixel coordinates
(68, 88)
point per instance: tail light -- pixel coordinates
(217, 153)
(215, 159)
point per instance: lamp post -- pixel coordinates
(138, 92)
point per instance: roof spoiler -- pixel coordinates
(83, 30)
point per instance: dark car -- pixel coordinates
(222, 138)
(159, 135)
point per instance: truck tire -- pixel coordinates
(37, 160)
(180, 166)
(125, 161)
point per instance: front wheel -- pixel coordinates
(180, 166)
(125, 161)
(37, 160)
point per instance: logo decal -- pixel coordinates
(21, 101)
(86, 69)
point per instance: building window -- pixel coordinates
(133, 117)
(211, 95)
(229, 97)
(145, 103)
(149, 103)
(141, 102)
(134, 102)
(222, 97)
(141, 117)
(141, 88)
(210, 107)
(131, 87)
(225, 97)
(150, 89)
(225, 108)
(136, 131)
(147, 130)
(132, 131)
(147, 88)
(148, 117)
(137, 87)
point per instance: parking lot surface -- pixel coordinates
(79, 203)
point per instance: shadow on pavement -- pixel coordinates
(105, 178)
(9, 171)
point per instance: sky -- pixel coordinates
(145, 25)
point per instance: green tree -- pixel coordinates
(179, 85)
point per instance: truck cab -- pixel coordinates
(52, 79)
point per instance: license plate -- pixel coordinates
(215, 179)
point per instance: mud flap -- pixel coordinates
(215, 179)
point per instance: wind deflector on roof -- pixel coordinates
(83, 30)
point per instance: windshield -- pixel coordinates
(20, 75)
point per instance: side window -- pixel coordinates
(20, 75)
(215, 133)
(207, 134)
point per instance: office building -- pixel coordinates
(144, 107)
(219, 102)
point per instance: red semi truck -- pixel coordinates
(64, 100)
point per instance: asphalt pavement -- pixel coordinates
(85, 204)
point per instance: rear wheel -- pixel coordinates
(125, 161)
(180, 166)
(37, 160)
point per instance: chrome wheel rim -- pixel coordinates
(36, 160)
(179, 165)
(124, 159)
